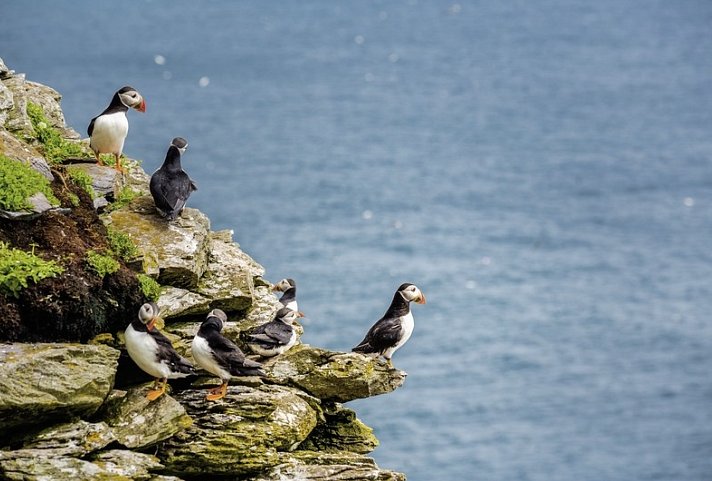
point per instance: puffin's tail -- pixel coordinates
(364, 348)
(184, 367)
(248, 368)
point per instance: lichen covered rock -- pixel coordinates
(40, 465)
(177, 302)
(137, 422)
(334, 376)
(239, 435)
(179, 249)
(41, 382)
(341, 431)
(77, 438)
(313, 466)
(129, 464)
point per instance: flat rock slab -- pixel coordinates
(41, 382)
(77, 438)
(334, 376)
(240, 434)
(37, 465)
(313, 466)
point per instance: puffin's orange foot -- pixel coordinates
(99, 161)
(156, 392)
(117, 166)
(217, 393)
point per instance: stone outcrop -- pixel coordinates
(62, 418)
(42, 382)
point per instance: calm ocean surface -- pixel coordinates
(542, 170)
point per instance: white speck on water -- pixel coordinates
(369, 77)
(359, 39)
(486, 260)
(167, 75)
(204, 81)
(367, 215)
(455, 8)
(397, 225)
(159, 59)
(393, 58)
(470, 284)
(689, 202)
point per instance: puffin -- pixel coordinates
(153, 352)
(394, 329)
(289, 297)
(170, 185)
(220, 356)
(107, 131)
(276, 336)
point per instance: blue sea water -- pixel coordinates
(541, 169)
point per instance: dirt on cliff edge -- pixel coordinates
(78, 304)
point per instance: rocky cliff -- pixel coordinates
(91, 250)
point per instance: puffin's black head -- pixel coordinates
(410, 292)
(216, 319)
(130, 97)
(148, 314)
(287, 315)
(284, 285)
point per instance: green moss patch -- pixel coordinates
(18, 267)
(102, 264)
(53, 146)
(83, 180)
(150, 288)
(18, 182)
(122, 245)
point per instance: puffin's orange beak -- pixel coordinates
(151, 323)
(300, 314)
(422, 299)
(142, 107)
(275, 288)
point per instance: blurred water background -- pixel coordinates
(541, 169)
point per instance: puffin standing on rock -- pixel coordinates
(276, 336)
(393, 330)
(107, 131)
(153, 352)
(170, 185)
(289, 297)
(220, 356)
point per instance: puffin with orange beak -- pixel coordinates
(107, 131)
(394, 329)
(288, 288)
(153, 352)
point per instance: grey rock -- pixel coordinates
(334, 376)
(17, 120)
(6, 103)
(49, 99)
(313, 466)
(40, 465)
(4, 71)
(177, 302)
(77, 439)
(41, 166)
(42, 382)
(104, 179)
(132, 465)
(137, 422)
(341, 431)
(178, 249)
(240, 434)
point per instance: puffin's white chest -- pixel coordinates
(109, 133)
(407, 325)
(292, 305)
(204, 357)
(143, 350)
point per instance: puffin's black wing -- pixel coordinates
(276, 333)
(90, 129)
(231, 357)
(167, 353)
(385, 333)
(170, 193)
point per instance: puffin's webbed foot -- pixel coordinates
(157, 390)
(118, 163)
(217, 393)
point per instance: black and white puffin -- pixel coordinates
(170, 185)
(394, 329)
(153, 352)
(219, 355)
(107, 131)
(289, 294)
(276, 336)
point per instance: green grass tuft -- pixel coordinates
(122, 245)
(150, 288)
(83, 180)
(102, 264)
(123, 198)
(17, 267)
(18, 182)
(54, 147)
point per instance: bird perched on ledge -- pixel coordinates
(394, 329)
(220, 356)
(153, 352)
(107, 131)
(276, 336)
(289, 297)
(170, 185)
